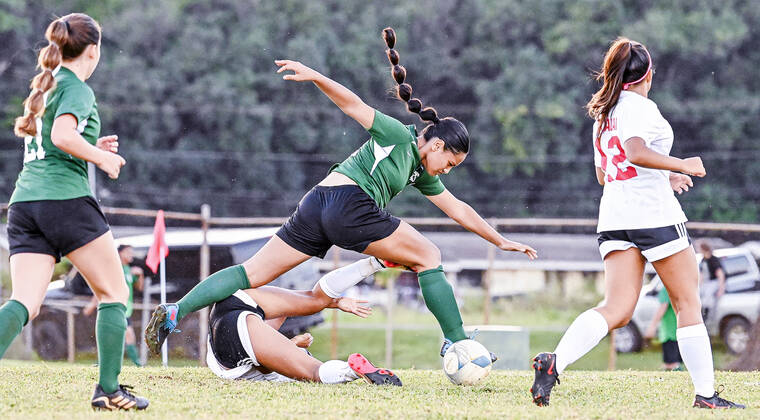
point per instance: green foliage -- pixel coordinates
(190, 88)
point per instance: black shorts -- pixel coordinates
(228, 330)
(670, 352)
(655, 243)
(343, 215)
(54, 227)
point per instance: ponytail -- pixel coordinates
(49, 59)
(67, 38)
(626, 63)
(404, 90)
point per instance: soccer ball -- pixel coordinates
(467, 362)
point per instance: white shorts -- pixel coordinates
(654, 243)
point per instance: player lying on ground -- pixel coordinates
(640, 220)
(347, 207)
(244, 343)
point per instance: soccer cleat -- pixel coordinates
(446, 344)
(121, 399)
(715, 401)
(391, 264)
(546, 378)
(162, 323)
(370, 373)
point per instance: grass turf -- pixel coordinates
(59, 390)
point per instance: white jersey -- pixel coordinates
(635, 197)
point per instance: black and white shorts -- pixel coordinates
(54, 227)
(654, 243)
(230, 352)
(342, 215)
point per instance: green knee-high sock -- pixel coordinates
(439, 298)
(131, 351)
(110, 328)
(216, 287)
(13, 317)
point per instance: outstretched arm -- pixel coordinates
(278, 302)
(347, 101)
(468, 218)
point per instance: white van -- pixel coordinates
(734, 315)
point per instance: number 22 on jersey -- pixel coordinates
(617, 166)
(33, 145)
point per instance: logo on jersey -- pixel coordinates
(380, 153)
(416, 174)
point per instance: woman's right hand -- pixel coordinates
(301, 73)
(693, 166)
(111, 164)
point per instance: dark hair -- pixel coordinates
(67, 39)
(626, 61)
(122, 247)
(705, 246)
(450, 130)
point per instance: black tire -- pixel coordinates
(735, 334)
(628, 339)
(50, 339)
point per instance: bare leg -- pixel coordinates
(100, 266)
(274, 351)
(623, 277)
(408, 247)
(680, 275)
(274, 259)
(30, 276)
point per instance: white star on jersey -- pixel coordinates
(380, 153)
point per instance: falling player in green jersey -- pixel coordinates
(347, 208)
(52, 211)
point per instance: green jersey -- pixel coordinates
(129, 278)
(388, 162)
(668, 324)
(49, 173)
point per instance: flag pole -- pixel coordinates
(164, 352)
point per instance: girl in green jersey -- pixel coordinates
(52, 211)
(346, 208)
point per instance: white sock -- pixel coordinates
(583, 335)
(694, 344)
(336, 372)
(336, 282)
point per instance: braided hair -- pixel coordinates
(67, 39)
(450, 130)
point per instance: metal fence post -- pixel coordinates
(205, 255)
(487, 281)
(70, 336)
(145, 317)
(389, 323)
(334, 330)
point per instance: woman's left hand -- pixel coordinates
(680, 182)
(518, 247)
(301, 73)
(108, 143)
(354, 306)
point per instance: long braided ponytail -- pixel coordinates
(450, 130)
(67, 38)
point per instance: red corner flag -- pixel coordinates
(159, 246)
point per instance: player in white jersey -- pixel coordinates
(639, 220)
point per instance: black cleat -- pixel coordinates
(715, 402)
(370, 373)
(546, 378)
(162, 323)
(121, 399)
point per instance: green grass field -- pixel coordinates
(59, 390)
